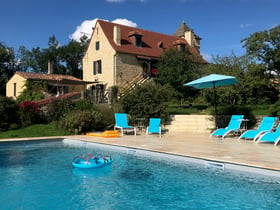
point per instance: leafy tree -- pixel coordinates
(254, 85)
(52, 54)
(176, 68)
(147, 100)
(33, 60)
(265, 47)
(72, 55)
(66, 59)
(7, 66)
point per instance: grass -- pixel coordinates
(188, 109)
(39, 130)
(261, 109)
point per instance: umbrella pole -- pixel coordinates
(215, 105)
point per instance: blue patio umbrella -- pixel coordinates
(212, 81)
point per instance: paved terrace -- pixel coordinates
(198, 145)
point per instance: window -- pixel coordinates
(15, 89)
(97, 45)
(138, 41)
(97, 67)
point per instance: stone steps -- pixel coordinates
(190, 123)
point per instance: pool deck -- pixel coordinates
(196, 145)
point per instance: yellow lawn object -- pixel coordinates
(105, 134)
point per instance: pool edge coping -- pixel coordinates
(192, 158)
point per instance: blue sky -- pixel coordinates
(220, 23)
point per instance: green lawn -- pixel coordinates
(39, 130)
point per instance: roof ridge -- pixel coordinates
(28, 75)
(150, 31)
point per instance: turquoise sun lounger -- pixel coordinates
(266, 125)
(122, 123)
(154, 126)
(273, 137)
(233, 126)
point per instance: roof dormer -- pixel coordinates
(136, 37)
(160, 44)
(180, 44)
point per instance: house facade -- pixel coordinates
(121, 56)
(58, 84)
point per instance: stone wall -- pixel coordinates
(127, 69)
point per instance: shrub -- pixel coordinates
(107, 113)
(57, 109)
(33, 91)
(77, 122)
(86, 104)
(275, 109)
(114, 94)
(8, 114)
(225, 113)
(29, 113)
(147, 100)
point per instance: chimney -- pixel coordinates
(50, 67)
(117, 35)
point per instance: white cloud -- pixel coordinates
(245, 25)
(124, 22)
(86, 27)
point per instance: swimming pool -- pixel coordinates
(39, 175)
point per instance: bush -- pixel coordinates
(275, 109)
(33, 91)
(78, 122)
(86, 104)
(29, 113)
(57, 109)
(8, 114)
(146, 101)
(105, 110)
(114, 94)
(225, 113)
(107, 113)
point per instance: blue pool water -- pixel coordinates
(39, 175)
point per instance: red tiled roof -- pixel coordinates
(49, 77)
(150, 40)
(48, 100)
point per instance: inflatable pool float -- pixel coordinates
(91, 161)
(105, 134)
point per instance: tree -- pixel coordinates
(32, 61)
(7, 66)
(265, 47)
(65, 59)
(254, 87)
(72, 55)
(176, 68)
(52, 54)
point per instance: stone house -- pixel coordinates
(58, 84)
(123, 56)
